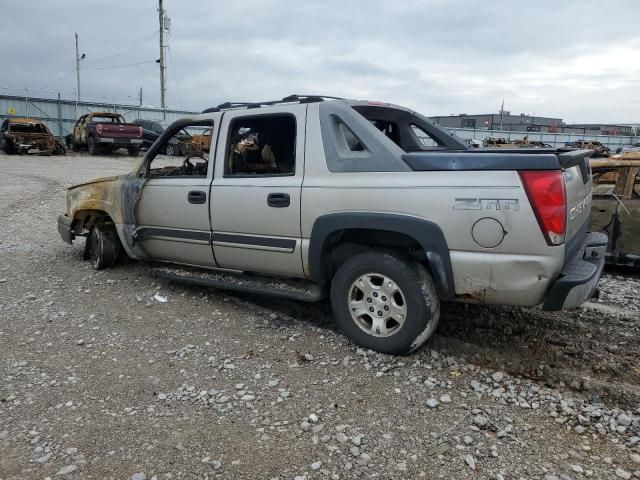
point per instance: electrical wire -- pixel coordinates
(126, 22)
(133, 47)
(173, 74)
(120, 66)
(55, 81)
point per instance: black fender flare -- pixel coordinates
(426, 233)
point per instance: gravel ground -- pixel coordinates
(100, 380)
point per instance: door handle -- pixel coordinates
(278, 200)
(197, 197)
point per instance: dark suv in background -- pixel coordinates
(152, 129)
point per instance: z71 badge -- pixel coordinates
(486, 204)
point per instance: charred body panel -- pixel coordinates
(29, 136)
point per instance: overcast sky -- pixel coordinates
(577, 60)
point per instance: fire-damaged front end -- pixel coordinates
(107, 201)
(28, 136)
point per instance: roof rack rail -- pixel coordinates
(287, 99)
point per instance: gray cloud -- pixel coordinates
(573, 59)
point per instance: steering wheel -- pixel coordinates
(188, 166)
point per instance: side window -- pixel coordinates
(181, 155)
(261, 145)
(636, 186)
(424, 138)
(351, 141)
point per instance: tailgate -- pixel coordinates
(577, 177)
(118, 130)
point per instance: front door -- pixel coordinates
(172, 218)
(255, 208)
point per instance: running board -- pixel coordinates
(285, 288)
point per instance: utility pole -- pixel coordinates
(140, 97)
(162, 47)
(77, 70)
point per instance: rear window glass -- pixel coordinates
(27, 128)
(102, 119)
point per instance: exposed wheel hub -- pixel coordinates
(377, 305)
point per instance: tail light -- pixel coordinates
(99, 128)
(139, 130)
(546, 192)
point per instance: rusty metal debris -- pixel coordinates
(498, 142)
(616, 205)
(30, 136)
(202, 142)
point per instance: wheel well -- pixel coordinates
(344, 244)
(83, 220)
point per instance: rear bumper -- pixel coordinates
(579, 277)
(64, 229)
(120, 142)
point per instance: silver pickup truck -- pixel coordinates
(370, 204)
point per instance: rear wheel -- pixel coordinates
(92, 146)
(385, 301)
(102, 247)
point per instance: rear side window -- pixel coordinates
(351, 141)
(261, 145)
(424, 138)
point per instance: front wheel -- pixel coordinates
(385, 301)
(102, 246)
(92, 146)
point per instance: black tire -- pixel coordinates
(415, 287)
(92, 146)
(172, 150)
(8, 148)
(102, 247)
(133, 151)
(74, 146)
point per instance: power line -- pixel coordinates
(133, 47)
(120, 66)
(173, 74)
(126, 22)
(56, 81)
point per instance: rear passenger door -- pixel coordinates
(255, 195)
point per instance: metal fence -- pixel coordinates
(60, 115)
(554, 139)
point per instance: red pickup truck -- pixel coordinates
(105, 132)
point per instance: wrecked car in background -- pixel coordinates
(616, 206)
(105, 132)
(202, 141)
(27, 135)
(599, 150)
(180, 144)
(498, 142)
